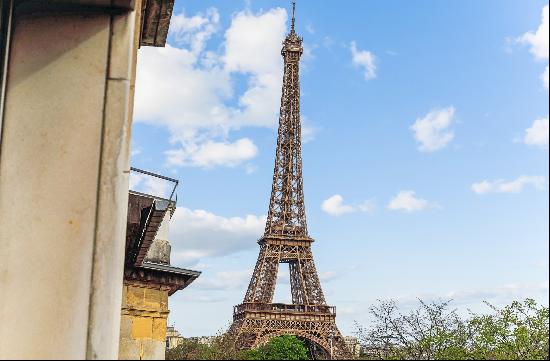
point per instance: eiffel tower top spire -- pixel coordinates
(293, 16)
(286, 216)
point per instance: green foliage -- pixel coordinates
(516, 332)
(222, 347)
(433, 332)
(279, 348)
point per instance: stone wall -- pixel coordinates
(143, 323)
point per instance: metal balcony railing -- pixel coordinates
(152, 184)
(281, 307)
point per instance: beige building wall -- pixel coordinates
(64, 153)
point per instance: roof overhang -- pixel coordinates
(155, 14)
(155, 21)
(173, 278)
(75, 4)
(145, 213)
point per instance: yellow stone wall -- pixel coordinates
(143, 322)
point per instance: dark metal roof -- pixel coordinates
(170, 269)
(154, 216)
(173, 278)
(155, 21)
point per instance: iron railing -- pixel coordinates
(158, 176)
(281, 307)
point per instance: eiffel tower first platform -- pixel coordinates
(286, 240)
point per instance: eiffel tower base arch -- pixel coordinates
(251, 329)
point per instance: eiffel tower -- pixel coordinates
(286, 240)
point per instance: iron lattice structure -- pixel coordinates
(286, 240)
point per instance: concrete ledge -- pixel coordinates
(125, 4)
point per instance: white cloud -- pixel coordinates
(408, 202)
(506, 293)
(364, 59)
(247, 34)
(537, 134)
(196, 30)
(538, 42)
(224, 281)
(432, 131)
(474, 297)
(211, 154)
(196, 234)
(468, 299)
(191, 91)
(514, 186)
(173, 91)
(259, 105)
(335, 206)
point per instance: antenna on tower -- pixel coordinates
(293, 12)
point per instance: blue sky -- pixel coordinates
(425, 148)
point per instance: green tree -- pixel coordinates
(279, 348)
(435, 332)
(220, 347)
(516, 332)
(429, 332)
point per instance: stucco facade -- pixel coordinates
(65, 120)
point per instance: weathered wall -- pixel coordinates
(64, 152)
(143, 323)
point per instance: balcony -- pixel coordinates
(153, 185)
(151, 203)
(284, 308)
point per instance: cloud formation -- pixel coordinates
(506, 293)
(538, 42)
(211, 154)
(363, 59)
(191, 91)
(196, 234)
(432, 131)
(515, 186)
(537, 134)
(407, 201)
(224, 281)
(335, 206)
